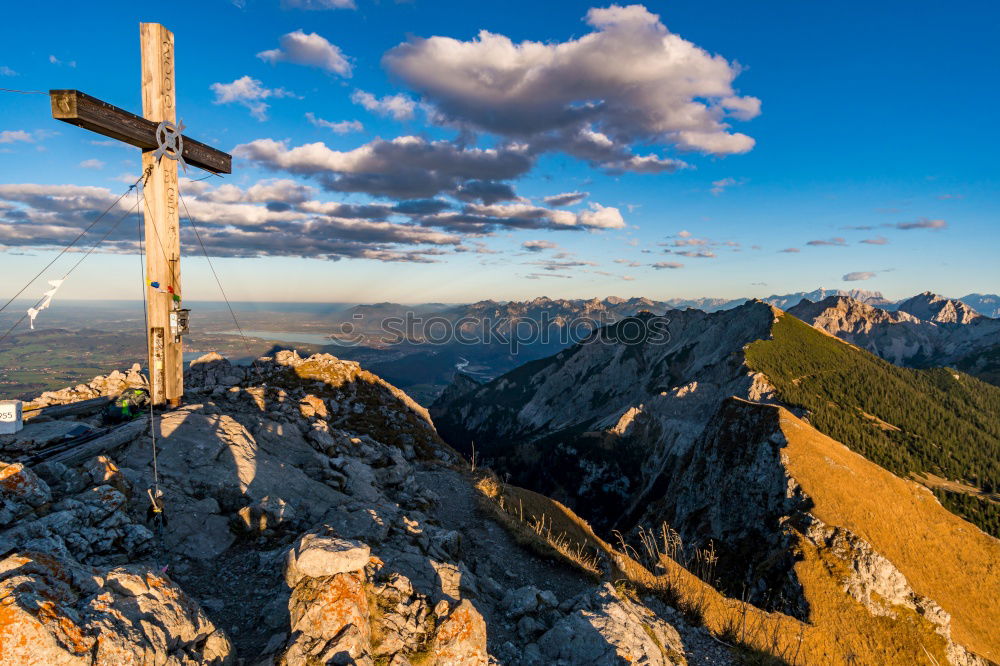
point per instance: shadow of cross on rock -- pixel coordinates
(313, 516)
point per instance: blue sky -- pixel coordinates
(874, 124)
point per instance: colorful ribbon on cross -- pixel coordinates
(46, 300)
(169, 290)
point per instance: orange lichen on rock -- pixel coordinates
(461, 638)
(324, 608)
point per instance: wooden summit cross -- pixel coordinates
(157, 134)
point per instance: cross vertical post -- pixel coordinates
(162, 219)
(163, 146)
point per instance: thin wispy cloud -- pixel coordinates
(15, 136)
(566, 198)
(318, 5)
(538, 245)
(878, 240)
(697, 254)
(337, 127)
(56, 61)
(698, 246)
(720, 186)
(859, 276)
(555, 265)
(921, 223)
(836, 241)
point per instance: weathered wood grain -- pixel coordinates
(162, 214)
(80, 109)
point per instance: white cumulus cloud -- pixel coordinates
(311, 50)
(405, 167)
(248, 92)
(628, 81)
(399, 106)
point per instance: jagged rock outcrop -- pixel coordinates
(638, 635)
(328, 608)
(56, 611)
(931, 307)
(21, 491)
(925, 331)
(111, 384)
(89, 522)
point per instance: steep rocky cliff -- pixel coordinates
(599, 424)
(770, 492)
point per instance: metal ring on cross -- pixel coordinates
(170, 142)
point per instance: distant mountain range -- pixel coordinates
(987, 305)
(420, 347)
(924, 331)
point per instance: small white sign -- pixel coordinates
(10, 417)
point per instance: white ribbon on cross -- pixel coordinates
(46, 300)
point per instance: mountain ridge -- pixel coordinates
(639, 436)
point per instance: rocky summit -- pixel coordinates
(311, 515)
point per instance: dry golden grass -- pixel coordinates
(542, 523)
(942, 556)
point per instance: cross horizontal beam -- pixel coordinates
(82, 110)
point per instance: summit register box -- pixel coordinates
(11, 420)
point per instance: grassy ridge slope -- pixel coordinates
(844, 632)
(942, 556)
(908, 421)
